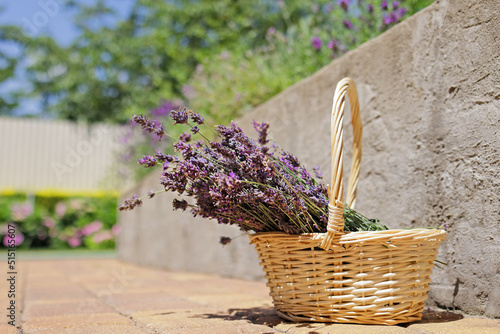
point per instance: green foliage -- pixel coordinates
(111, 72)
(58, 222)
(233, 82)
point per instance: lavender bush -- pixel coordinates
(239, 180)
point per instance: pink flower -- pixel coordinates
(60, 209)
(116, 229)
(49, 222)
(316, 42)
(102, 236)
(21, 211)
(91, 228)
(18, 239)
(74, 242)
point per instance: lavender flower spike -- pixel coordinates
(182, 204)
(148, 125)
(130, 204)
(147, 161)
(179, 116)
(262, 129)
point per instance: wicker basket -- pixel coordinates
(379, 277)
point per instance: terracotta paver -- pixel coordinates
(110, 296)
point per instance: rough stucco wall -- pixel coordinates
(429, 95)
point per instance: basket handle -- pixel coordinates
(336, 188)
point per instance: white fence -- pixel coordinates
(38, 156)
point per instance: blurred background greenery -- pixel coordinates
(220, 58)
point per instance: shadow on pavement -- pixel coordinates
(257, 315)
(267, 316)
(431, 316)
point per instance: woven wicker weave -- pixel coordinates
(379, 277)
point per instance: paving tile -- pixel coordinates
(8, 329)
(69, 291)
(54, 308)
(321, 328)
(468, 325)
(228, 329)
(99, 296)
(73, 321)
(102, 329)
(129, 303)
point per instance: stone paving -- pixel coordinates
(110, 296)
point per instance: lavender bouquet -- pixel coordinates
(242, 181)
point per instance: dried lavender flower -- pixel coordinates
(185, 137)
(262, 129)
(195, 129)
(179, 116)
(182, 204)
(147, 161)
(130, 204)
(225, 240)
(196, 118)
(151, 126)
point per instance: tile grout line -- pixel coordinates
(151, 331)
(23, 301)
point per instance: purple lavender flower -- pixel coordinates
(130, 204)
(370, 8)
(271, 31)
(164, 109)
(316, 43)
(185, 137)
(401, 12)
(390, 19)
(262, 129)
(160, 157)
(195, 129)
(333, 45)
(348, 24)
(225, 240)
(147, 161)
(317, 172)
(196, 118)
(344, 4)
(179, 116)
(395, 5)
(384, 5)
(179, 205)
(151, 193)
(151, 126)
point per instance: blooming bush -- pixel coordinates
(57, 222)
(237, 80)
(240, 181)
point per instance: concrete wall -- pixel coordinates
(429, 95)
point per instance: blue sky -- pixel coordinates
(49, 17)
